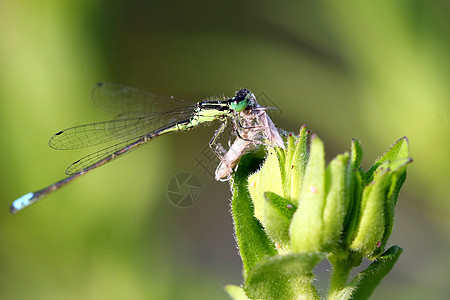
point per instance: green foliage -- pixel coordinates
(366, 281)
(253, 242)
(283, 277)
(294, 210)
(278, 215)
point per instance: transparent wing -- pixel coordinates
(128, 101)
(106, 155)
(102, 132)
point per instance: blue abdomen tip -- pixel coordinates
(21, 203)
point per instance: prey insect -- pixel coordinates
(256, 127)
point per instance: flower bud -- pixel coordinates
(376, 211)
(319, 219)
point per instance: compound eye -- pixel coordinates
(242, 95)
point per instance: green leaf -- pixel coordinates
(285, 207)
(278, 213)
(336, 201)
(354, 211)
(252, 241)
(297, 166)
(398, 150)
(268, 178)
(356, 154)
(352, 181)
(306, 225)
(397, 178)
(362, 286)
(354, 187)
(371, 227)
(236, 292)
(288, 162)
(397, 181)
(283, 277)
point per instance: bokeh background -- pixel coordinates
(376, 71)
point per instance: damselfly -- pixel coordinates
(143, 117)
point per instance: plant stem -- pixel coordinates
(342, 265)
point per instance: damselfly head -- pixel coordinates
(243, 99)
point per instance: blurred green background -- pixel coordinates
(375, 71)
